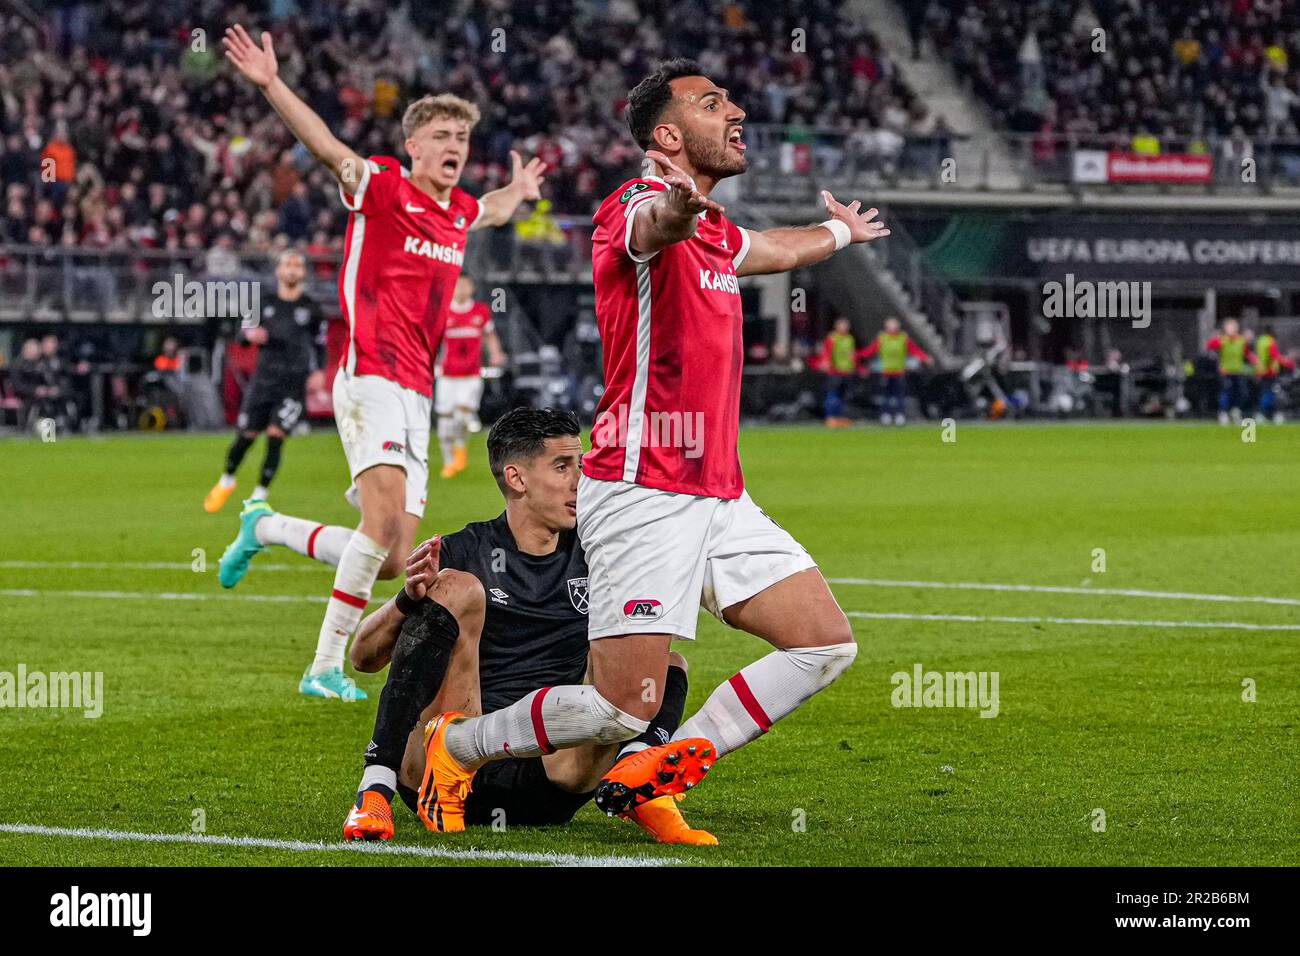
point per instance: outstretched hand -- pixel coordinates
(862, 227)
(256, 64)
(527, 179)
(683, 194)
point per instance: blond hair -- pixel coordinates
(441, 106)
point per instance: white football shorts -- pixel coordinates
(457, 391)
(382, 423)
(654, 557)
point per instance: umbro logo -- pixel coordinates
(498, 595)
(412, 207)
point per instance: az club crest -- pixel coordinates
(578, 594)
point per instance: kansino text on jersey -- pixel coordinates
(432, 250)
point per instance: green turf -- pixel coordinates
(1147, 724)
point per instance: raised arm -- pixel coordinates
(525, 186)
(780, 250)
(673, 214)
(373, 647)
(258, 65)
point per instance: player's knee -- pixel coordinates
(276, 432)
(615, 725)
(833, 627)
(829, 661)
(393, 564)
(384, 527)
(250, 435)
(676, 660)
(459, 592)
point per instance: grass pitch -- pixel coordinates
(202, 727)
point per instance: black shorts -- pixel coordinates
(512, 793)
(272, 399)
(520, 789)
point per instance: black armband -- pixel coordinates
(405, 603)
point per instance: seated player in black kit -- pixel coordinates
(287, 331)
(487, 615)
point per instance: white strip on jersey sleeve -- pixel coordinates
(353, 202)
(632, 209)
(478, 216)
(744, 248)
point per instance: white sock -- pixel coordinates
(260, 492)
(358, 569)
(227, 481)
(462, 419)
(447, 437)
(379, 776)
(546, 720)
(745, 707)
(320, 541)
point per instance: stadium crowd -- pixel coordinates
(121, 127)
(1185, 74)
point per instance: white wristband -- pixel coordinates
(840, 231)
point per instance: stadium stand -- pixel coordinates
(1179, 71)
(154, 146)
(128, 155)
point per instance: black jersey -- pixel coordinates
(292, 330)
(535, 626)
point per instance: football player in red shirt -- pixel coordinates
(405, 247)
(662, 509)
(459, 388)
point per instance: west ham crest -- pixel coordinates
(578, 594)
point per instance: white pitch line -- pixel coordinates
(1053, 589)
(877, 615)
(1099, 622)
(376, 849)
(143, 566)
(166, 596)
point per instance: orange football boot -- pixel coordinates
(372, 820)
(216, 498)
(670, 768)
(446, 784)
(663, 820)
(460, 458)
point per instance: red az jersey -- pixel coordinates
(403, 253)
(462, 340)
(670, 327)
